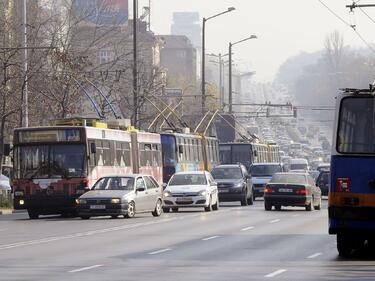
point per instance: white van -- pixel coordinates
(299, 164)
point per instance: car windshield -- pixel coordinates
(264, 170)
(114, 183)
(298, 166)
(288, 178)
(188, 179)
(227, 173)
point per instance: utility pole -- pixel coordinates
(230, 98)
(203, 66)
(25, 98)
(135, 67)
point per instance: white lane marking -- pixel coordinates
(160, 251)
(85, 268)
(210, 238)
(275, 273)
(314, 256)
(247, 228)
(81, 234)
(274, 221)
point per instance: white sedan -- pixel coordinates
(191, 189)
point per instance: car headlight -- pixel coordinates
(202, 193)
(167, 194)
(81, 201)
(115, 200)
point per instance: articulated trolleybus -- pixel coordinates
(352, 188)
(54, 165)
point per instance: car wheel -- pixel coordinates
(310, 207)
(209, 207)
(166, 210)
(158, 209)
(131, 210)
(33, 215)
(85, 217)
(345, 245)
(278, 207)
(250, 200)
(267, 206)
(174, 209)
(216, 206)
(244, 199)
(319, 206)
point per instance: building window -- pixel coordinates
(104, 56)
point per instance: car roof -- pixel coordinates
(289, 173)
(229, 166)
(266, 163)
(126, 176)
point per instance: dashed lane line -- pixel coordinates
(210, 238)
(160, 251)
(314, 256)
(275, 221)
(85, 268)
(275, 273)
(247, 228)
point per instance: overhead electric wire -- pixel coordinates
(349, 25)
(367, 15)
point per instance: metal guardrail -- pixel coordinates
(6, 199)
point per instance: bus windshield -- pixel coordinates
(356, 130)
(50, 161)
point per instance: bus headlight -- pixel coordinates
(115, 200)
(21, 202)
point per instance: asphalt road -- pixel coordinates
(234, 243)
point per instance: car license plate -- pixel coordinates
(223, 190)
(285, 190)
(97, 207)
(184, 199)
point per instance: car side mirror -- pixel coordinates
(7, 149)
(93, 147)
(140, 189)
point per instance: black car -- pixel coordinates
(292, 189)
(233, 182)
(323, 181)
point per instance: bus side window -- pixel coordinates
(92, 161)
(99, 153)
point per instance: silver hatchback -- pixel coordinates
(121, 195)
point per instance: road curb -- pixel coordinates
(10, 211)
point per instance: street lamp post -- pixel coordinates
(230, 101)
(135, 70)
(203, 55)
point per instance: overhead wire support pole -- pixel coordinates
(25, 97)
(135, 67)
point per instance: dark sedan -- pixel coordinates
(292, 189)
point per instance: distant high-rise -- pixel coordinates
(187, 23)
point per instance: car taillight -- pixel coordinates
(343, 184)
(268, 189)
(301, 191)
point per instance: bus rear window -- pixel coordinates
(356, 128)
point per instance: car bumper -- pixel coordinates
(195, 201)
(46, 205)
(287, 200)
(108, 210)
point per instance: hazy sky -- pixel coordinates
(284, 27)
